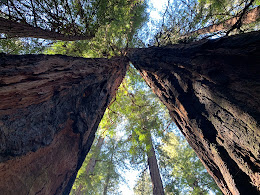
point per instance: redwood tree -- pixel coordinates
(154, 169)
(50, 109)
(211, 89)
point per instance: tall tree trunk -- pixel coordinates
(92, 162)
(78, 191)
(154, 169)
(16, 29)
(50, 109)
(109, 173)
(211, 89)
(106, 184)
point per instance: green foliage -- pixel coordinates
(74, 18)
(111, 38)
(114, 24)
(185, 173)
(143, 185)
(216, 11)
(137, 104)
(184, 17)
(105, 172)
(21, 46)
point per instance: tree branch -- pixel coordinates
(238, 23)
(16, 29)
(249, 17)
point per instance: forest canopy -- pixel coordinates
(83, 20)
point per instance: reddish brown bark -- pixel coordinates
(250, 17)
(211, 89)
(16, 29)
(49, 111)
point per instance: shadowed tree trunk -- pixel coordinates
(108, 176)
(50, 109)
(106, 182)
(211, 89)
(93, 160)
(154, 169)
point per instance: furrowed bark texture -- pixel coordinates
(211, 89)
(50, 109)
